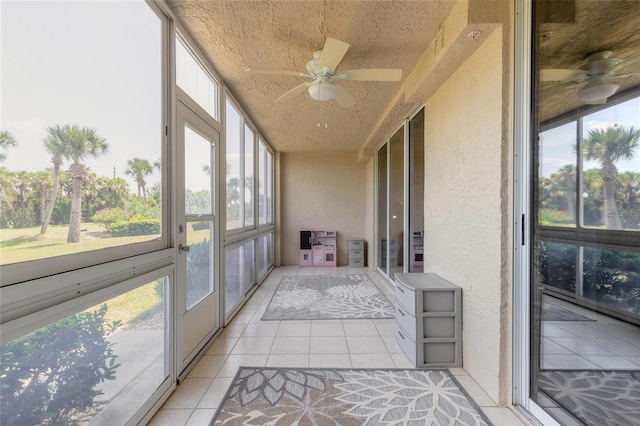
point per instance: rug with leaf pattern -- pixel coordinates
(324, 397)
(314, 297)
(595, 397)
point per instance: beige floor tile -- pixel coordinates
(372, 361)
(475, 391)
(294, 328)
(170, 417)
(401, 361)
(222, 346)
(360, 328)
(328, 345)
(253, 345)
(214, 394)
(288, 360)
(386, 327)
(391, 344)
(261, 329)
(366, 345)
(290, 345)
(201, 417)
(208, 366)
(233, 362)
(327, 328)
(188, 393)
(329, 360)
(502, 416)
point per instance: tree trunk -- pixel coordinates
(52, 199)
(76, 203)
(610, 212)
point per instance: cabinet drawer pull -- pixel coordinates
(401, 335)
(400, 288)
(401, 313)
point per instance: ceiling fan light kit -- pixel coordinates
(322, 90)
(596, 89)
(322, 68)
(594, 80)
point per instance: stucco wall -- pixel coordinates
(463, 217)
(321, 191)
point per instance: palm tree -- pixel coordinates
(139, 168)
(608, 146)
(56, 143)
(80, 143)
(6, 140)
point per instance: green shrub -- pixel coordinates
(50, 374)
(555, 217)
(107, 217)
(135, 227)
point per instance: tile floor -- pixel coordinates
(249, 341)
(604, 344)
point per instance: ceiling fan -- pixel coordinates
(594, 81)
(322, 70)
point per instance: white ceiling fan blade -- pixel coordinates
(557, 89)
(343, 97)
(332, 53)
(277, 72)
(293, 92)
(558, 74)
(371, 75)
(596, 102)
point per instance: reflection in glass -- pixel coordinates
(198, 181)
(233, 149)
(248, 269)
(396, 203)
(416, 199)
(556, 265)
(249, 137)
(612, 278)
(611, 167)
(88, 365)
(557, 176)
(586, 261)
(382, 208)
(233, 289)
(262, 183)
(199, 261)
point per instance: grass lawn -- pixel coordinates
(18, 245)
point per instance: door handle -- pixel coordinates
(183, 249)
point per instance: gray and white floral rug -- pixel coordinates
(323, 397)
(595, 397)
(304, 297)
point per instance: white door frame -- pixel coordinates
(198, 325)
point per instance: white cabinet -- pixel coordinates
(429, 320)
(356, 252)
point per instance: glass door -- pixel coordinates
(197, 237)
(582, 353)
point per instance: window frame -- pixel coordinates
(20, 272)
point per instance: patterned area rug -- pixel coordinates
(304, 297)
(595, 397)
(557, 313)
(323, 397)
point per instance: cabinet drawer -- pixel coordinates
(356, 244)
(356, 254)
(439, 326)
(406, 297)
(356, 263)
(406, 321)
(407, 346)
(439, 354)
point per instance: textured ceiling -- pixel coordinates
(592, 26)
(283, 35)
